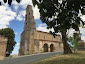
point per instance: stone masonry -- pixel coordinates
(34, 41)
(3, 44)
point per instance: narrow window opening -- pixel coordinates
(26, 17)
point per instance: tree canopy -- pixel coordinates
(9, 33)
(9, 1)
(61, 15)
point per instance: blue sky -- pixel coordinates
(13, 17)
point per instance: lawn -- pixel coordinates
(78, 58)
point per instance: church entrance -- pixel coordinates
(45, 47)
(51, 48)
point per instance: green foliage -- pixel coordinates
(18, 1)
(9, 33)
(74, 41)
(5, 1)
(10, 1)
(0, 3)
(61, 16)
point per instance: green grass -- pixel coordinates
(78, 58)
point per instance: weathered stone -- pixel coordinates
(3, 44)
(33, 41)
(81, 45)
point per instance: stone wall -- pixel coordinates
(56, 46)
(3, 44)
(81, 46)
(36, 46)
(39, 46)
(46, 36)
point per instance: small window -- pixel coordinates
(29, 12)
(26, 17)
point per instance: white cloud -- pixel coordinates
(19, 17)
(82, 30)
(16, 49)
(83, 38)
(70, 32)
(16, 33)
(36, 12)
(6, 15)
(17, 44)
(24, 4)
(35, 9)
(83, 17)
(43, 27)
(3, 26)
(15, 5)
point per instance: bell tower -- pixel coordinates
(29, 18)
(27, 36)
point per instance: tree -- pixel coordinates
(61, 15)
(74, 41)
(9, 1)
(9, 33)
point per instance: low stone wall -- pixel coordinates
(3, 44)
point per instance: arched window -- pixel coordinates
(51, 48)
(45, 47)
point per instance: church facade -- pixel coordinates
(34, 41)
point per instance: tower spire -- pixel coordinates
(29, 18)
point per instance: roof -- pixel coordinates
(46, 32)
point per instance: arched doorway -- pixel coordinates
(51, 48)
(45, 47)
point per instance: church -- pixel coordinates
(34, 41)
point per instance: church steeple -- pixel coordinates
(27, 36)
(29, 18)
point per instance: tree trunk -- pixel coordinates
(66, 47)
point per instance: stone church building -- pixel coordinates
(34, 41)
